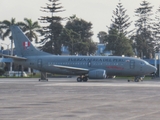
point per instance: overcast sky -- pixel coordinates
(98, 12)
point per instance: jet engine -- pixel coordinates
(97, 74)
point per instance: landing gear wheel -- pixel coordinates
(85, 79)
(137, 80)
(79, 79)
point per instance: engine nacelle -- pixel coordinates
(97, 74)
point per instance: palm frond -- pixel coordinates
(7, 33)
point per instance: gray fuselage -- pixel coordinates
(114, 65)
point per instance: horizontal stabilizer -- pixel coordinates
(6, 60)
(13, 57)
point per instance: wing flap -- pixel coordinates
(71, 68)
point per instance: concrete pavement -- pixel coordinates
(65, 99)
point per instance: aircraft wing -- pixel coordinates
(72, 68)
(14, 57)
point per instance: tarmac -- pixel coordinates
(66, 99)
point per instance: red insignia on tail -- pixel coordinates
(26, 45)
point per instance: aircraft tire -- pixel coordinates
(79, 79)
(136, 80)
(85, 79)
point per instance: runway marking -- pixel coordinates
(102, 84)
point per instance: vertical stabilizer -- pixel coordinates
(23, 45)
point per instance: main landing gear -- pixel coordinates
(43, 76)
(82, 78)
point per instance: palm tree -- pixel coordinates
(6, 26)
(31, 28)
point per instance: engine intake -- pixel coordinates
(97, 74)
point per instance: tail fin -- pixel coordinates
(23, 45)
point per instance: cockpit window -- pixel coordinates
(146, 63)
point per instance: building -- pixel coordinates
(100, 50)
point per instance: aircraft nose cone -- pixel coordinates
(153, 69)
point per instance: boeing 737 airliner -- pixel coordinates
(92, 67)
